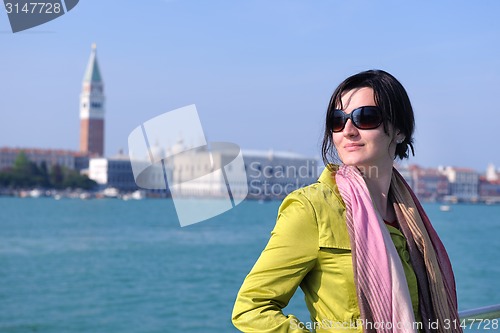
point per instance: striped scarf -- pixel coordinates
(382, 290)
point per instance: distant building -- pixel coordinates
(428, 183)
(113, 172)
(491, 173)
(463, 183)
(204, 173)
(489, 189)
(92, 109)
(65, 158)
(275, 174)
(405, 171)
(198, 173)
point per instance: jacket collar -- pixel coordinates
(327, 177)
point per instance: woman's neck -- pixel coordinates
(378, 184)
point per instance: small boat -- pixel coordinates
(110, 192)
(137, 195)
(84, 196)
(444, 208)
(35, 193)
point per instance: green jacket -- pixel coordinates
(310, 247)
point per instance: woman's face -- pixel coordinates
(363, 148)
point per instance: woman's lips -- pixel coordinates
(353, 146)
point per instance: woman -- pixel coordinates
(357, 242)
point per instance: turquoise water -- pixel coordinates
(127, 266)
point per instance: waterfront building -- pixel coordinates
(92, 109)
(489, 190)
(273, 174)
(463, 183)
(115, 172)
(428, 183)
(65, 158)
(269, 174)
(405, 171)
(491, 173)
(204, 173)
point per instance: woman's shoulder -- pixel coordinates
(322, 203)
(323, 191)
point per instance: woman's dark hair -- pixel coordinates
(390, 97)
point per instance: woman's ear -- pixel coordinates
(400, 137)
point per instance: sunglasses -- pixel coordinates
(365, 118)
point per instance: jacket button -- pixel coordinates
(406, 255)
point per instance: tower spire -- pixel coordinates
(92, 73)
(92, 108)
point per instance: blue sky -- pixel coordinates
(260, 72)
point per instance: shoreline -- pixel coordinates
(110, 193)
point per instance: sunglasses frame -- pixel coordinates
(347, 116)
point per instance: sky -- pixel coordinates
(259, 72)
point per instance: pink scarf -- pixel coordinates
(383, 295)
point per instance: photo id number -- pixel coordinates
(33, 8)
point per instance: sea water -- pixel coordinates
(127, 266)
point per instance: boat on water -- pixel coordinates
(136, 195)
(110, 192)
(35, 193)
(445, 208)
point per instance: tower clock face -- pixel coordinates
(92, 108)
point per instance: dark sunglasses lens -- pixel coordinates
(367, 117)
(337, 121)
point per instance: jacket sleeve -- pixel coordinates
(289, 255)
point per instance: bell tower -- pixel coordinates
(92, 109)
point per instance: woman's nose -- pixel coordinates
(349, 129)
